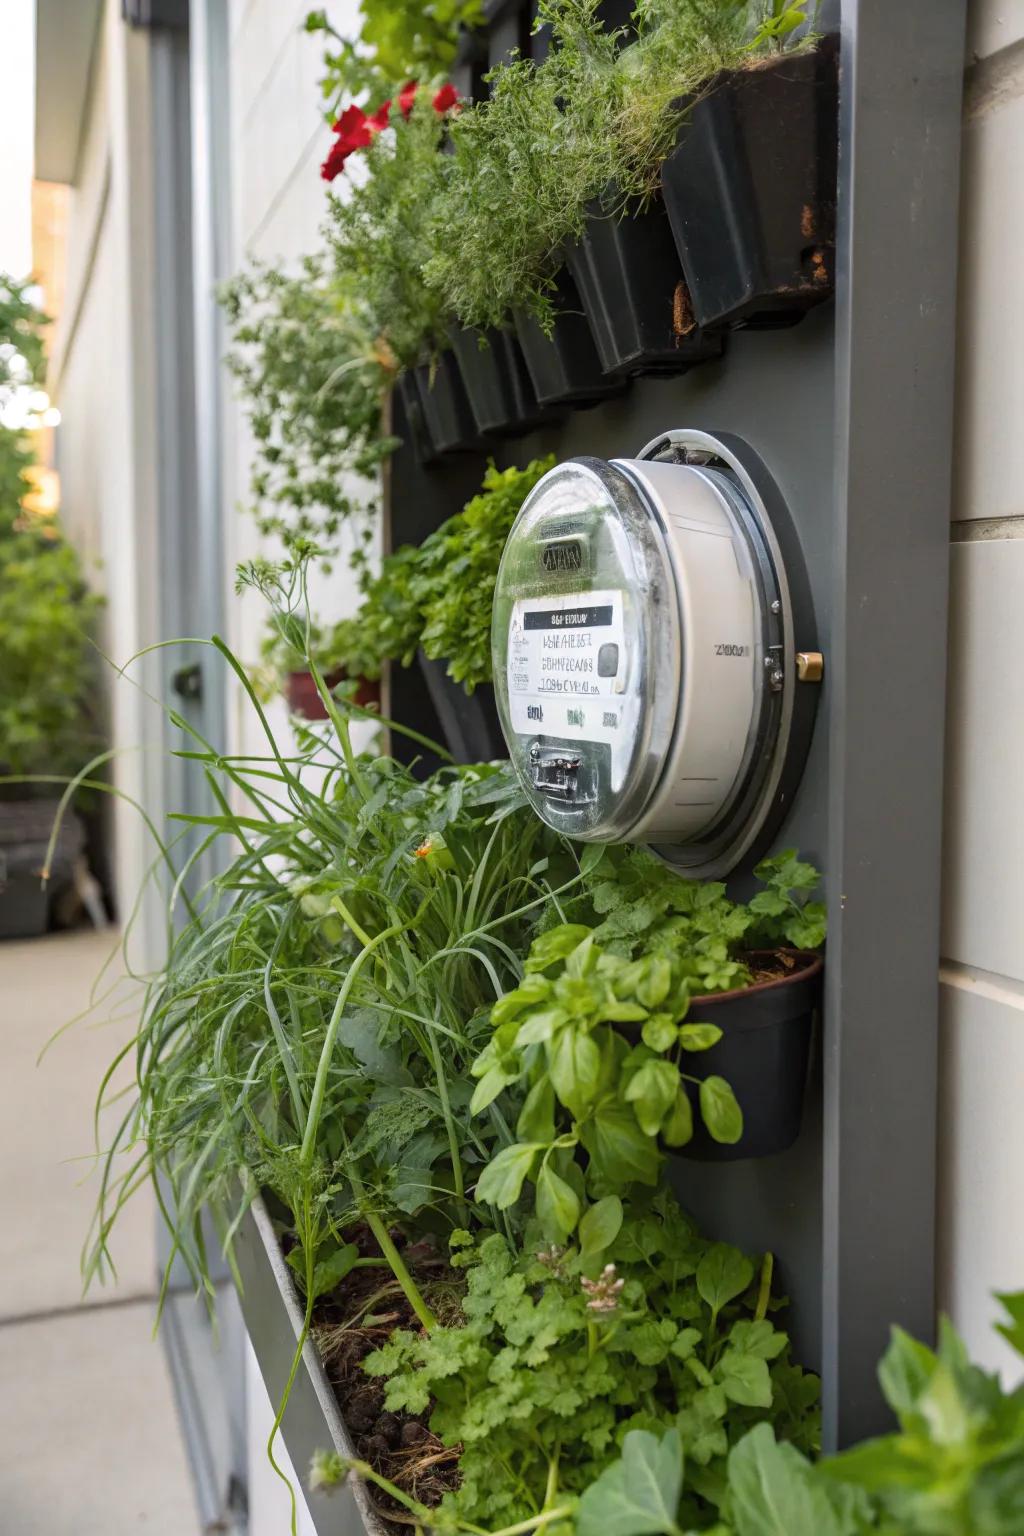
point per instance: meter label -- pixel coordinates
(567, 666)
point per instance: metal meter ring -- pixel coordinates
(645, 632)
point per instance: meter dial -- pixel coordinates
(645, 651)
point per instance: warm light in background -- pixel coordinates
(42, 500)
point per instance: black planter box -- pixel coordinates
(412, 410)
(446, 414)
(497, 383)
(763, 1055)
(564, 367)
(751, 190)
(469, 721)
(634, 294)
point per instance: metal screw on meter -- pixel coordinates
(645, 650)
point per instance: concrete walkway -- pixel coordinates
(89, 1439)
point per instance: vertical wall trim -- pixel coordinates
(901, 94)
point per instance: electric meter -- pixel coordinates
(651, 637)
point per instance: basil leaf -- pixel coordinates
(678, 1127)
(659, 1032)
(638, 1495)
(600, 1226)
(652, 1092)
(774, 1493)
(488, 1088)
(537, 1120)
(621, 1153)
(699, 1037)
(558, 1209)
(502, 1180)
(574, 1062)
(720, 1111)
(554, 945)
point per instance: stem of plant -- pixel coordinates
(316, 1103)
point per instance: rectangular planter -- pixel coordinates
(497, 383)
(565, 367)
(447, 417)
(631, 282)
(312, 1421)
(751, 190)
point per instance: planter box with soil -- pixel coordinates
(497, 383)
(630, 280)
(763, 1054)
(565, 367)
(332, 1404)
(751, 190)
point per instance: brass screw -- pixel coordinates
(810, 666)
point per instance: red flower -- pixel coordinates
(353, 130)
(446, 98)
(406, 97)
(379, 121)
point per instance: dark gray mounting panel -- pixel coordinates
(852, 411)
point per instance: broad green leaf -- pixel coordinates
(555, 945)
(532, 991)
(558, 1208)
(774, 1492)
(745, 1379)
(600, 1226)
(652, 1093)
(502, 1180)
(638, 1495)
(761, 1338)
(904, 1371)
(720, 1111)
(328, 1272)
(591, 857)
(996, 1501)
(699, 1037)
(493, 1082)
(539, 1025)
(574, 1062)
(620, 1151)
(659, 1032)
(678, 1127)
(657, 979)
(537, 1120)
(723, 1274)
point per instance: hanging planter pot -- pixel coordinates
(630, 280)
(416, 426)
(564, 367)
(497, 383)
(763, 1054)
(446, 414)
(751, 190)
(469, 721)
(303, 699)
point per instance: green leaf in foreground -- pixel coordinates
(502, 1180)
(722, 1114)
(639, 1494)
(774, 1492)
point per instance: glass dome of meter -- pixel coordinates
(586, 649)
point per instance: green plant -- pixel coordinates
(47, 680)
(438, 595)
(21, 365)
(398, 39)
(314, 376)
(560, 1354)
(653, 946)
(955, 1467)
(378, 230)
